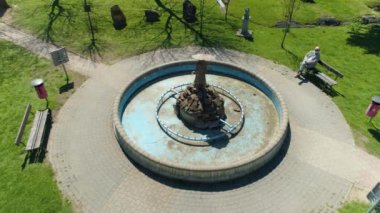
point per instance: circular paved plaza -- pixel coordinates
(316, 170)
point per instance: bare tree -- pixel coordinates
(290, 7)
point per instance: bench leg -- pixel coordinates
(299, 73)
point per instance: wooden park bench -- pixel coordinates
(37, 132)
(325, 78)
(374, 198)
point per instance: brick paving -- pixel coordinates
(316, 171)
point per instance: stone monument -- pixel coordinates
(199, 105)
(247, 34)
(118, 18)
(189, 12)
(151, 16)
(4, 5)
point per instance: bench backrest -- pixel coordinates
(331, 69)
(374, 198)
(23, 124)
(374, 194)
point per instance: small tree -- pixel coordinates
(4, 5)
(290, 7)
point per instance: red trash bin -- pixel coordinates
(40, 88)
(373, 107)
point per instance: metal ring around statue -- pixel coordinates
(232, 129)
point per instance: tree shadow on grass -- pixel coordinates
(216, 38)
(226, 185)
(200, 38)
(293, 57)
(162, 39)
(57, 10)
(367, 37)
(375, 132)
(93, 49)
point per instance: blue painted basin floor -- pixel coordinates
(139, 122)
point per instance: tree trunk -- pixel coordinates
(226, 3)
(286, 30)
(290, 7)
(225, 15)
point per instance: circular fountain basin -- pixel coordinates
(143, 139)
(180, 130)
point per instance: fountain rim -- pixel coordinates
(276, 140)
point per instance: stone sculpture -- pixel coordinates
(247, 34)
(200, 105)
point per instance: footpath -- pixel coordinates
(319, 170)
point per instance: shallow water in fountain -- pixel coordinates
(139, 122)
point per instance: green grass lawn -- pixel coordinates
(353, 49)
(268, 12)
(354, 207)
(33, 188)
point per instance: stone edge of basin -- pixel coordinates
(200, 173)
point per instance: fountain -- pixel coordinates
(200, 105)
(207, 131)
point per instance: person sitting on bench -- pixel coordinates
(309, 61)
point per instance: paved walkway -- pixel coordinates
(43, 49)
(316, 171)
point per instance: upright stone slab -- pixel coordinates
(151, 16)
(189, 12)
(118, 18)
(4, 5)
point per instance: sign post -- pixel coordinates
(60, 57)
